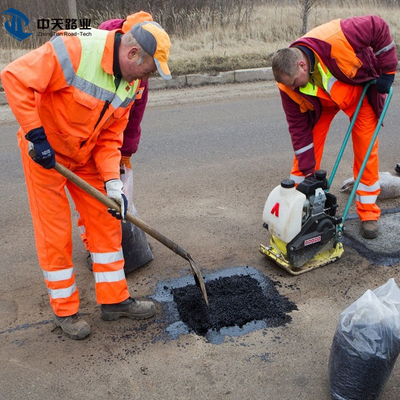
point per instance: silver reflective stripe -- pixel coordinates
(107, 258)
(104, 90)
(366, 199)
(76, 81)
(297, 179)
(386, 48)
(114, 276)
(372, 188)
(93, 90)
(81, 229)
(331, 82)
(64, 59)
(127, 101)
(56, 276)
(304, 149)
(62, 293)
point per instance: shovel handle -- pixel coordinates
(136, 221)
(129, 216)
(133, 219)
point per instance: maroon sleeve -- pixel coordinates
(301, 132)
(111, 24)
(372, 31)
(133, 130)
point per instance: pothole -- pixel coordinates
(384, 250)
(241, 300)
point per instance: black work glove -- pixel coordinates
(384, 82)
(44, 152)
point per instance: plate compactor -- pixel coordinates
(304, 230)
(303, 226)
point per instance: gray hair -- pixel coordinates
(129, 41)
(284, 62)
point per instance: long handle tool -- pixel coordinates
(371, 145)
(136, 221)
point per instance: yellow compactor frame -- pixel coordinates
(277, 252)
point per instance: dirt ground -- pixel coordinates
(211, 203)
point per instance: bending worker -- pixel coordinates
(324, 72)
(72, 98)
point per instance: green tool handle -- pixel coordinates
(346, 138)
(371, 145)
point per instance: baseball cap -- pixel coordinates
(155, 41)
(135, 18)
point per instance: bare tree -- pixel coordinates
(305, 8)
(72, 9)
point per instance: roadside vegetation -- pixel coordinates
(208, 36)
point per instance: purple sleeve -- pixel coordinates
(371, 31)
(133, 131)
(301, 132)
(111, 24)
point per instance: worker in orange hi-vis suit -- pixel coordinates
(72, 98)
(322, 73)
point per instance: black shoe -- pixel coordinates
(397, 168)
(73, 326)
(129, 308)
(369, 229)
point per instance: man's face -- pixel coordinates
(300, 79)
(130, 68)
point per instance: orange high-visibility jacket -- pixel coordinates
(67, 86)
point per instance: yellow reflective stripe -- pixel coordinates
(90, 77)
(56, 276)
(310, 89)
(107, 258)
(328, 80)
(112, 276)
(62, 293)
(90, 69)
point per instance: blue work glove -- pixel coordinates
(114, 191)
(384, 82)
(44, 153)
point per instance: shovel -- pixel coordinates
(134, 220)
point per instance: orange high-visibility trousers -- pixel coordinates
(346, 98)
(52, 224)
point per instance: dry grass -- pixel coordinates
(269, 28)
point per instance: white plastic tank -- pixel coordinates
(283, 211)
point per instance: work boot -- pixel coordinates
(73, 326)
(130, 308)
(369, 229)
(397, 168)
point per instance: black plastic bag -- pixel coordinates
(366, 345)
(137, 251)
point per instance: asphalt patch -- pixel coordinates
(241, 300)
(378, 251)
